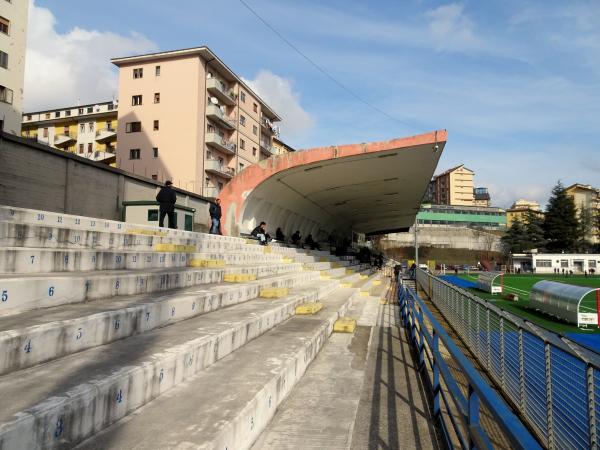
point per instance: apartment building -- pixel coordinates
(280, 147)
(453, 187)
(86, 130)
(13, 40)
(521, 209)
(481, 197)
(185, 116)
(586, 197)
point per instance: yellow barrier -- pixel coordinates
(206, 263)
(344, 325)
(175, 248)
(325, 276)
(365, 293)
(287, 260)
(364, 277)
(376, 282)
(273, 292)
(309, 308)
(238, 277)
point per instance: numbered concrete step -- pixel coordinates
(26, 291)
(61, 402)
(234, 257)
(38, 336)
(239, 394)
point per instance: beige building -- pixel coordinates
(454, 187)
(185, 116)
(520, 210)
(586, 197)
(86, 130)
(13, 40)
(280, 147)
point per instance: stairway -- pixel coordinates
(115, 335)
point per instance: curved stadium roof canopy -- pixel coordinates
(370, 188)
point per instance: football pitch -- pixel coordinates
(521, 284)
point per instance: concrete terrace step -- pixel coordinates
(37, 336)
(237, 258)
(61, 402)
(239, 394)
(26, 291)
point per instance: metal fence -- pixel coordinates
(553, 382)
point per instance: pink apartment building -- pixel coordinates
(185, 116)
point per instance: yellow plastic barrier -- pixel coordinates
(309, 308)
(273, 292)
(238, 277)
(344, 325)
(175, 248)
(206, 263)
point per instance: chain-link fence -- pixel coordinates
(553, 382)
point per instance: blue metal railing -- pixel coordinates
(468, 427)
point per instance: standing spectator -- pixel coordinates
(215, 217)
(166, 199)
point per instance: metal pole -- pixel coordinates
(416, 244)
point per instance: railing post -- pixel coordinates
(436, 377)
(473, 418)
(489, 343)
(421, 339)
(549, 420)
(502, 356)
(521, 373)
(591, 395)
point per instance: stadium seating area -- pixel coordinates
(103, 320)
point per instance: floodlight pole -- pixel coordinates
(416, 243)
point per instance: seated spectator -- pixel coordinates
(260, 232)
(309, 241)
(279, 235)
(296, 238)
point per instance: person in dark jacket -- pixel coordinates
(296, 238)
(166, 199)
(279, 235)
(215, 217)
(309, 241)
(260, 232)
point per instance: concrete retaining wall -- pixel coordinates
(36, 176)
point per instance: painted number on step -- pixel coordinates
(66, 259)
(4, 296)
(172, 311)
(134, 258)
(11, 212)
(119, 396)
(193, 306)
(147, 316)
(92, 223)
(117, 324)
(51, 291)
(40, 217)
(118, 258)
(77, 238)
(79, 333)
(60, 427)
(32, 258)
(161, 375)
(59, 219)
(27, 347)
(77, 221)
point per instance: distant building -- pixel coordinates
(481, 197)
(587, 198)
(13, 40)
(549, 262)
(520, 210)
(462, 216)
(185, 116)
(86, 130)
(454, 187)
(281, 147)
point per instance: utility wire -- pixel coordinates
(321, 69)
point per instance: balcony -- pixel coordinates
(219, 89)
(267, 125)
(216, 167)
(106, 135)
(220, 143)
(267, 148)
(214, 112)
(63, 140)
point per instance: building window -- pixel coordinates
(220, 186)
(564, 263)
(3, 59)
(134, 153)
(157, 97)
(243, 96)
(255, 107)
(136, 100)
(138, 73)
(133, 127)
(155, 177)
(90, 109)
(156, 125)
(242, 120)
(253, 151)
(57, 114)
(90, 147)
(91, 126)
(157, 71)
(208, 154)
(80, 148)
(241, 167)
(255, 130)
(80, 111)
(109, 125)
(47, 116)
(82, 127)
(4, 25)
(543, 263)
(68, 113)
(155, 152)
(242, 144)
(66, 130)
(45, 132)
(110, 106)
(6, 95)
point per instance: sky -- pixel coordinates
(515, 82)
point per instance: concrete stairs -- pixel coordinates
(136, 341)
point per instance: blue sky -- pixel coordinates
(516, 83)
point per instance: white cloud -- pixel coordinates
(62, 69)
(279, 94)
(451, 29)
